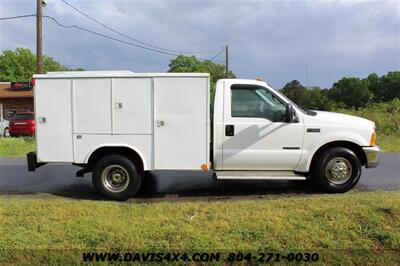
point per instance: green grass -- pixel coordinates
(387, 119)
(16, 147)
(344, 228)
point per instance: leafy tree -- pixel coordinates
(310, 99)
(20, 65)
(316, 99)
(374, 86)
(389, 86)
(352, 92)
(190, 64)
(294, 91)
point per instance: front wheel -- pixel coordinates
(116, 177)
(337, 170)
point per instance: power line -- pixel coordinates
(136, 40)
(108, 37)
(89, 51)
(117, 40)
(220, 52)
(15, 17)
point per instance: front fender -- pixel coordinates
(314, 141)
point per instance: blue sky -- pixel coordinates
(276, 40)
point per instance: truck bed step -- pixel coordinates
(259, 175)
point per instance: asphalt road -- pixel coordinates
(59, 179)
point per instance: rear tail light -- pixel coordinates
(33, 82)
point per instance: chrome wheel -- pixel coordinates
(115, 178)
(338, 170)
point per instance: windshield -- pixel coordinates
(19, 117)
(290, 101)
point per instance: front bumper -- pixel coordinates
(373, 155)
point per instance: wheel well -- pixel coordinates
(358, 151)
(124, 151)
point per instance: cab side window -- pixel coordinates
(256, 101)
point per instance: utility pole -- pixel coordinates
(39, 56)
(226, 62)
(307, 74)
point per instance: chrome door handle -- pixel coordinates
(42, 120)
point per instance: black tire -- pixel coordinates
(329, 172)
(116, 177)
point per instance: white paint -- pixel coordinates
(334, 127)
(132, 110)
(181, 123)
(88, 143)
(92, 105)
(164, 117)
(113, 74)
(259, 175)
(53, 121)
(122, 109)
(258, 142)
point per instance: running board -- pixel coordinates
(258, 175)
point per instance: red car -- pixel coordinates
(22, 124)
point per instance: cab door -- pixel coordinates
(255, 135)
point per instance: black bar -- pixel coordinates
(32, 161)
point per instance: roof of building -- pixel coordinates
(7, 92)
(112, 74)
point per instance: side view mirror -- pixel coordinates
(289, 114)
(279, 116)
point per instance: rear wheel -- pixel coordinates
(116, 177)
(337, 170)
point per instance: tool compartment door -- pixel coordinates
(180, 123)
(92, 106)
(53, 120)
(132, 110)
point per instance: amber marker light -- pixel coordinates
(373, 140)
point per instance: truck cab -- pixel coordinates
(119, 125)
(263, 135)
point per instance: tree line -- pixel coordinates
(348, 92)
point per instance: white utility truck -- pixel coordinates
(119, 125)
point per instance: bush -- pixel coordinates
(387, 119)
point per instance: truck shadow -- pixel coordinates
(60, 180)
(194, 186)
